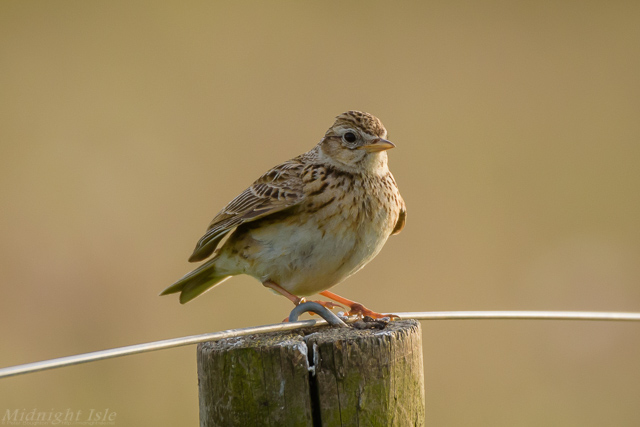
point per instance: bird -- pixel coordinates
(308, 223)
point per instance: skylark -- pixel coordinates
(308, 223)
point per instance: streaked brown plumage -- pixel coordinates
(308, 223)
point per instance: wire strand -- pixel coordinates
(280, 327)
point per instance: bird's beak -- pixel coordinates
(376, 145)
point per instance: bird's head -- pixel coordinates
(356, 140)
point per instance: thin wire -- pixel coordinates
(524, 315)
(279, 327)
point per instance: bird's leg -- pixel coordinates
(328, 304)
(296, 299)
(356, 307)
(282, 291)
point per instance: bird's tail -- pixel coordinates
(197, 282)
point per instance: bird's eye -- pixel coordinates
(350, 137)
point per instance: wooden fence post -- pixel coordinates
(316, 377)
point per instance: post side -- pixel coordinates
(322, 376)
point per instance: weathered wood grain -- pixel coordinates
(370, 377)
(328, 377)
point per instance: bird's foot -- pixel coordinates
(360, 310)
(356, 308)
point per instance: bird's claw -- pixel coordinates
(361, 311)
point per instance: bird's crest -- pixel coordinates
(363, 121)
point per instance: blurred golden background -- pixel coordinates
(126, 126)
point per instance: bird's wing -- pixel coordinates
(402, 219)
(278, 189)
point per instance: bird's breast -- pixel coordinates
(339, 227)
